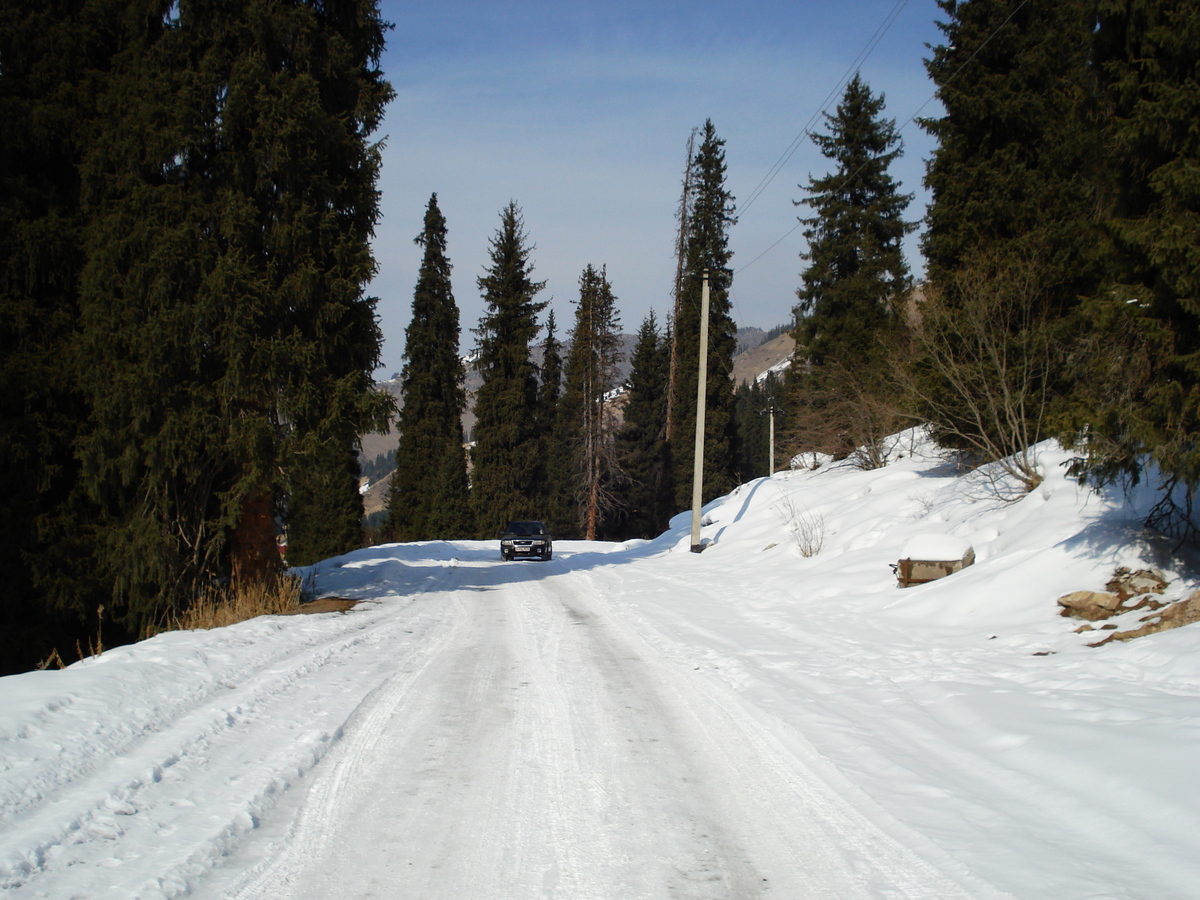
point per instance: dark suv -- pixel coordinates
(526, 539)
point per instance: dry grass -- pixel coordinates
(268, 597)
(806, 527)
(218, 607)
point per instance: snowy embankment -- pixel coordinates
(963, 719)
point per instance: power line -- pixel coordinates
(910, 120)
(805, 132)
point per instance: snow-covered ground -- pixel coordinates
(640, 721)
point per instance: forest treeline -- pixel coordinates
(1062, 245)
(188, 198)
(1063, 254)
(189, 193)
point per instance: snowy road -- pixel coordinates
(535, 746)
(641, 721)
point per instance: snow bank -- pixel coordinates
(966, 709)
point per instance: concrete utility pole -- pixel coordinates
(771, 417)
(701, 401)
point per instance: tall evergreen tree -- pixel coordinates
(507, 434)
(1147, 398)
(550, 375)
(642, 447)
(686, 199)
(429, 485)
(856, 267)
(230, 194)
(49, 52)
(707, 249)
(588, 429)
(553, 476)
(1015, 165)
(1017, 186)
(855, 278)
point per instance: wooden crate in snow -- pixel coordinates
(928, 557)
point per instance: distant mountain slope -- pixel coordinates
(754, 362)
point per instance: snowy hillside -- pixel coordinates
(773, 717)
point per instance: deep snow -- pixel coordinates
(962, 727)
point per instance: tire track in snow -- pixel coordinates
(310, 834)
(859, 826)
(163, 804)
(804, 838)
(543, 748)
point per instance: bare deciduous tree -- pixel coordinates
(983, 361)
(851, 415)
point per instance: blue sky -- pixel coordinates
(581, 114)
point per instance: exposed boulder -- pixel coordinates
(1090, 605)
(1126, 584)
(1123, 587)
(1129, 591)
(1185, 612)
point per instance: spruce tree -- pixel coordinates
(754, 425)
(855, 278)
(550, 376)
(587, 433)
(507, 434)
(707, 249)
(1016, 187)
(230, 195)
(49, 53)
(1145, 324)
(856, 267)
(642, 447)
(553, 475)
(429, 484)
(1015, 164)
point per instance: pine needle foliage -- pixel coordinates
(1015, 168)
(587, 430)
(706, 249)
(755, 401)
(856, 266)
(642, 447)
(49, 50)
(429, 485)
(855, 277)
(1144, 401)
(505, 483)
(220, 197)
(554, 475)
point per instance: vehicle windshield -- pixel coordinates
(526, 529)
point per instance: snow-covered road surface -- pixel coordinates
(641, 721)
(537, 747)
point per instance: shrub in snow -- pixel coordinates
(806, 527)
